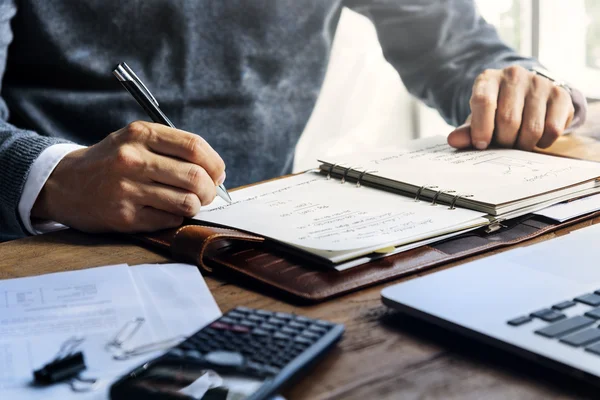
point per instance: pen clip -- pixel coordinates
(124, 73)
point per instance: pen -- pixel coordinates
(148, 102)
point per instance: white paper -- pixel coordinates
(159, 293)
(494, 176)
(311, 211)
(564, 211)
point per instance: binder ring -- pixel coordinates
(331, 167)
(455, 199)
(346, 173)
(437, 194)
(421, 190)
(361, 176)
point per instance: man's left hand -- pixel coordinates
(514, 108)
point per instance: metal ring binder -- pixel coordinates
(346, 173)
(455, 199)
(420, 190)
(437, 194)
(361, 176)
(331, 170)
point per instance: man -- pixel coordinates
(243, 78)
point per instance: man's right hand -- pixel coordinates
(144, 177)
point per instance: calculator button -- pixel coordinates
(220, 325)
(227, 320)
(225, 358)
(284, 315)
(300, 318)
(296, 325)
(187, 346)
(290, 331)
(281, 335)
(317, 328)
(268, 327)
(235, 314)
(275, 321)
(264, 313)
(193, 354)
(259, 332)
(248, 323)
(240, 328)
(243, 309)
(302, 340)
(311, 335)
(255, 318)
(322, 323)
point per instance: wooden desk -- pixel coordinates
(384, 355)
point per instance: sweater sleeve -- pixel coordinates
(19, 148)
(438, 47)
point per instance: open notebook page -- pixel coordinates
(494, 176)
(309, 211)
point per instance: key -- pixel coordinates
(548, 315)
(520, 320)
(590, 299)
(567, 326)
(563, 305)
(595, 313)
(582, 338)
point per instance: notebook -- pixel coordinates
(392, 205)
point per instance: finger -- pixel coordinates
(460, 138)
(172, 200)
(511, 100)
(169, 141)
(533, 122)
(183, 175)
(484, 100)
(560, 112)
(149, 219)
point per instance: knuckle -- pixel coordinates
(189, 205)
(195, 177)
(125, 216)
(552, 130)
(534, 129)
(195, 145)
(558, 92)
(514, 73)
(482, 100)
(539, 83)
(208, 194)
(127, 157)
(136, 130)
(509, 118)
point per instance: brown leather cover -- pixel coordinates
(234, 255)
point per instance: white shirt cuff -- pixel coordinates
(38, 175)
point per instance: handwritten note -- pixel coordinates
(312, 212)
(493, 176)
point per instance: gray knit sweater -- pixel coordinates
(244, 74)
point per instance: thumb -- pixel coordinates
(460, 138)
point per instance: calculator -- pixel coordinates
(245, 354)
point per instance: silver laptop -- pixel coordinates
(541, 301)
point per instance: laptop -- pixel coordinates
(541, 302)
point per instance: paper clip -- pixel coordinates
(66, 367)
(119, 352)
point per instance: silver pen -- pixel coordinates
(148, 102)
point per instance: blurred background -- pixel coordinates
(363, 104)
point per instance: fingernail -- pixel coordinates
(222, 178)
(480, 145)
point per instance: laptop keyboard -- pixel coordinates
(576, 331)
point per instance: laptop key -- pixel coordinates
(563, 305)
(591, 299)
(595, 348)
(582, 338)
(595, 313)
(548, 315)
(564, 327)
(519, 320)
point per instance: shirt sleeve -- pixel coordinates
(439, 47)
(40, 171)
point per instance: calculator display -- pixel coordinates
(193, 381)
